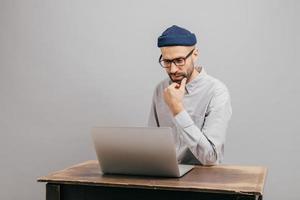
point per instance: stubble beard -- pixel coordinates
(182, 75)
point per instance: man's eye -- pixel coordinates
(179, 61)
(167, 62)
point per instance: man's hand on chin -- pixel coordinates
(173, 96)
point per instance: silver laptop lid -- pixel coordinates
(136, 150)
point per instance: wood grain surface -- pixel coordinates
(220, 179)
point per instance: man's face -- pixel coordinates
(173, 53)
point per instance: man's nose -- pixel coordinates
(173, 68)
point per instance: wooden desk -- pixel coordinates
(85, 181)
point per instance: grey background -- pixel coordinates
(66, 66)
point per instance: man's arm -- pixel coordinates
(153, 120)
(207, 144)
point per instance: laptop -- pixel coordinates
(146, 151)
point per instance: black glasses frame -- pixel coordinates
(160, 60)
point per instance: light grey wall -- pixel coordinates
(66, 66)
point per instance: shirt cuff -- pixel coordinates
(183, 119)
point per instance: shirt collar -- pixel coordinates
(193, 84)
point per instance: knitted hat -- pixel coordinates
(176, 36)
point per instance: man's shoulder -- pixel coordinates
(215, 84)
(215, 81)
(213, 88)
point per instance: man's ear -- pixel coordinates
(196, 52)
(195, 55)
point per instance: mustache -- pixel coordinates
(177, 74)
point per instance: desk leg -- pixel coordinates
(52, 191)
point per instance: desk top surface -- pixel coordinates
(221, 178)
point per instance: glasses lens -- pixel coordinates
(164, 63)
(179, 61)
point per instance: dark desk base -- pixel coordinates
(92, 192)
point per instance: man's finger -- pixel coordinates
(174, 85)
(183, 83)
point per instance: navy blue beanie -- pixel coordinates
(176, 36)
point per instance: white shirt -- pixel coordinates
(199, 130)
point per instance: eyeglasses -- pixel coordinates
(179, 62)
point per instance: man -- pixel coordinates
(195, 105)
